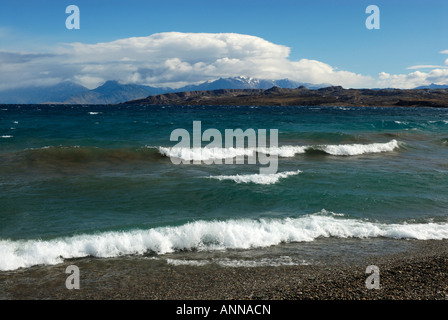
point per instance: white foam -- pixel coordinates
(205, 154)
(257, 178)
(284, 151)
(240, 263)
(438, 121)
(264, 262)
(336, 150)
(207, 235)
(358, 149)
(184, 262)
(6, 136)
(402, 122)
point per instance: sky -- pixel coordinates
(174, 43)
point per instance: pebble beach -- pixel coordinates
(417, 274)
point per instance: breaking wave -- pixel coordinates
(207, 235)
(82, 155)
(207, 154)
(257, 178)
(358, 149)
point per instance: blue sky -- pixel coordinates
(411, 34)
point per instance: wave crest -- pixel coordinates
(208, 235)
(207, 154)
(257, 178)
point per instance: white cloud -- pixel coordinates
(438, 75)
(413, 79)
(20, 69)
(405, 81)
(176, 59)
(426, 66)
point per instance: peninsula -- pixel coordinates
(302, 96)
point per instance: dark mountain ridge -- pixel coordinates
(112, 92)
(302, 96)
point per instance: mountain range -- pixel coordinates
(433, 86)
(112, 92)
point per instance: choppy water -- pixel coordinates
(80, 181)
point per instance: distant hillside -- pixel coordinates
(330, 96)
(433, 86)
(112, 92)
(229, 91)
(56, 93)
(248, 83)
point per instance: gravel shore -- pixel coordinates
(420, 273)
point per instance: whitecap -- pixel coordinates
(285, 151)
(358, 149)
(257, 178)
(208, 235)
(204, 154)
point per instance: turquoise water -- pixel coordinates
(81, 181)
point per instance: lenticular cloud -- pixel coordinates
(175, 57)
(172, 59)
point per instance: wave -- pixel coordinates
(208, 154)
(207, 235)
(358, 149)
(257, 178)
(335, 150)
(439, 121)
(204, 154)
(422, 123)
(81, 155)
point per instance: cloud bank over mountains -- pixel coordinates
(177, 59)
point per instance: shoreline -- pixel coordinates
(373, 106)
(301, 96)
(418, 273)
